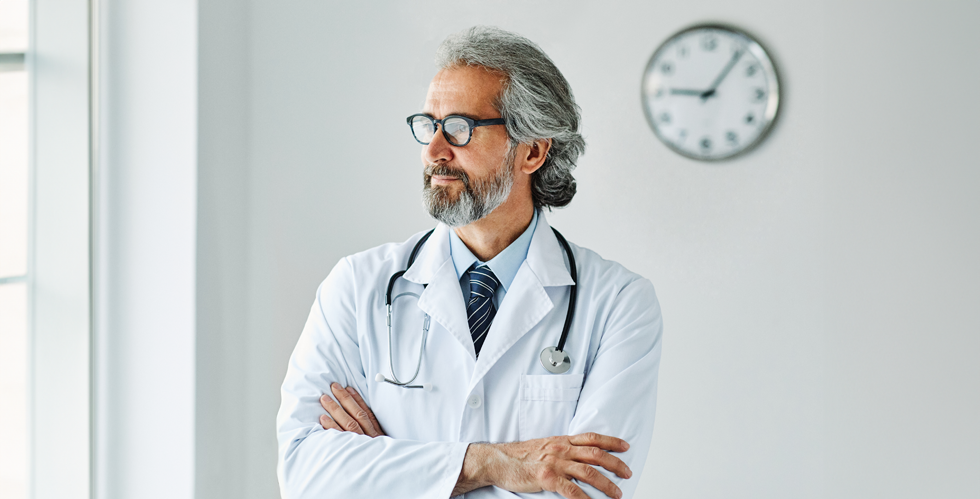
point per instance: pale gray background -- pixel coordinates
(819, 294)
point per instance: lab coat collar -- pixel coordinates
(442, 298)
(545, 256)
(434, 253)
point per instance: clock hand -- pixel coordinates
(685, 91)
(724, 73)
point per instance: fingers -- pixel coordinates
(339, 415)
(593, 439)
(353, 409)
(569, 490)
(360, 402)
(587, 474)
(329, 424)
(350, 414)
(599, 457)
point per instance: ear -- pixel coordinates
(537, 152)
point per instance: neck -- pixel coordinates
(490, 235)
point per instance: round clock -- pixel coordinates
(710, 92)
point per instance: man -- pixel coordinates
(488, 290)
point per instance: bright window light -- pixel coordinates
(13, 173)
(13, 390)
(13, 250)
(13, 25)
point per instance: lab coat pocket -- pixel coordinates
(547, 404)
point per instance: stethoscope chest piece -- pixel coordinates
(555, 361)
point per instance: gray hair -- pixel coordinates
(536, 103)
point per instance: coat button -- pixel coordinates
(474, 401)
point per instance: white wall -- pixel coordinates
(817, 292)
(222, 446)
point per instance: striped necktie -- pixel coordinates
(480, 309)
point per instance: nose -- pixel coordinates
(438, 150)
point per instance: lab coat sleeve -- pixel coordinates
(318, 463)
(619, 396)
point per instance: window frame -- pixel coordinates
(59, 272)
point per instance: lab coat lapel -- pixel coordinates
(526, 302)
(442, 298)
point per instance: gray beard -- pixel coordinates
(477, 199)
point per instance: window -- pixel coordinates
(14, 190)
(45, 315)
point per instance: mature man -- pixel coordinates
(484, 295)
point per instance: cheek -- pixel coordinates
(486, 158)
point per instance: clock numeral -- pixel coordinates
(682, 51)
(666, 68)
(731, 137)
(709, 43)
(749, 118)
(659, 93)
(760, 94)
(664, 118)
(682, 135)
(751, 70)
(706, 144)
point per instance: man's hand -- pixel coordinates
(530, 466)
(545, 464)
(352, 414)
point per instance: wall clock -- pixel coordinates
(710, 92)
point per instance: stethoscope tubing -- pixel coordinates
(572, 293)
(389, 302)
(391, 359)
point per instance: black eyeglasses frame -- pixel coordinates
(471, 122)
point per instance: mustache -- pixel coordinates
(444, 170)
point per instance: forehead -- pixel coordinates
(465, 90)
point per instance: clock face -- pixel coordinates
(710, 92)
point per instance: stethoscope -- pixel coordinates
(554, 359)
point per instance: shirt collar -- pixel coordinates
(505, 265)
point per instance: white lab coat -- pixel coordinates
(505, 396)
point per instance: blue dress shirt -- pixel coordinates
(504, 266)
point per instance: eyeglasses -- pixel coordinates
(457, 129)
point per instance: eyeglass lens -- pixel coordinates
(457, 130)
